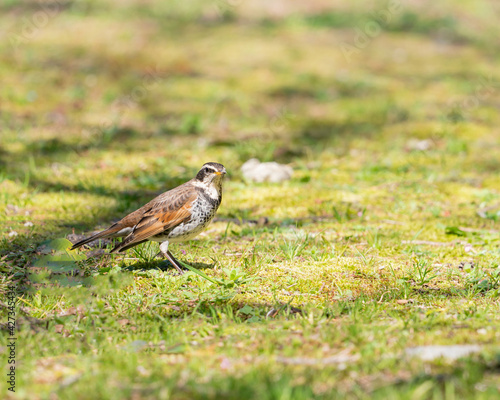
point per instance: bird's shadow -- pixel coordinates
(164, 265)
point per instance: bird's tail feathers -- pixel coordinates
(110, 232)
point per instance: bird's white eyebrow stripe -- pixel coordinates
(212, 167)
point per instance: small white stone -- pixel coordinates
(256, 171)
(419, 145)
(450, 352)
(13, 233)
(143, 371)
(28, 223)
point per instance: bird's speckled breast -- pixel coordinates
(202, 212)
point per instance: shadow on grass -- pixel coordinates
(29, 7)
(406, 21)
(163, 265)
(100, 137)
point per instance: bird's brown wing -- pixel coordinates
(132, 219)
(163, 214)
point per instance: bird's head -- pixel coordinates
(210, 173)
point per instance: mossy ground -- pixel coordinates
(386, 237)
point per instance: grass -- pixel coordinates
(385, 239)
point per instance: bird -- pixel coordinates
(174, 216)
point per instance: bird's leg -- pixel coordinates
(170, 257)
(173, 258)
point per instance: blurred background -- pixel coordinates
(109, 101)
(385, 237)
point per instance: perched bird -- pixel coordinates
(174, 216)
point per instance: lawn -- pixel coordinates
(331, 285)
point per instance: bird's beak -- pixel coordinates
(223, 172)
